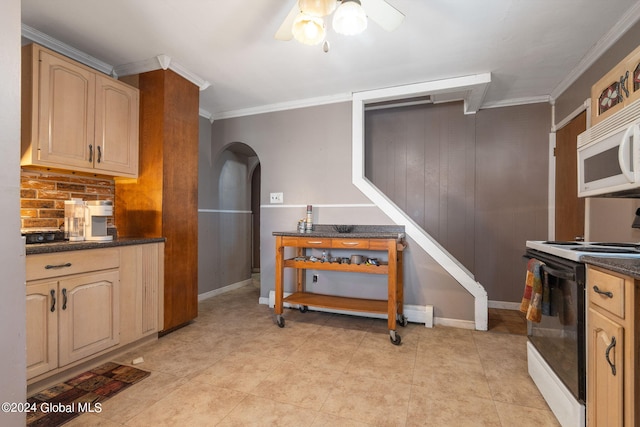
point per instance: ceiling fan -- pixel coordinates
(306, 20)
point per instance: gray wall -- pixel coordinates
(609, 219)
(512, 146)
(306, 154)
(476, 183)
(12, 260)
(224, 217)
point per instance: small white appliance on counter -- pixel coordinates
(74, 217)
(609, 156)
(96, 220)
(87, 220)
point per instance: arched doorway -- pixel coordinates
(238, 198)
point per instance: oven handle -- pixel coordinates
(561, 274)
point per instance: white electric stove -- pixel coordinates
(556, 350)
(574, 251)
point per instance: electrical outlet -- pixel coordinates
(276, 197)
(315, 278)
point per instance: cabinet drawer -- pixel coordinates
(606, 291)
(44, 266)
(350, 243)
(306, 242)
(379, 244)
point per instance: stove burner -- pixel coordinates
(606, 250)
(563, 243)
(617, 245)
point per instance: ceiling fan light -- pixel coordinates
(308, 29)
(317, 7)
(350, 18)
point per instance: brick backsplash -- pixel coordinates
(42, 196)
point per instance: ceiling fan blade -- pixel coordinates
(284, 32)
(383, 14)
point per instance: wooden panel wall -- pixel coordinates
(476, 183)
(163, 201)
(423, 158)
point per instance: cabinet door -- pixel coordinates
(633, 80)
(141, 278)
(42, 328)
(66, 112)
(88, 315)
(116, 127)
(605, 347)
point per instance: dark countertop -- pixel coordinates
(48, 248)
(626, 266)
(358, 232)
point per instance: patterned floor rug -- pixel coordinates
(84, 393)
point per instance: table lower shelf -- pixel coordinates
(339, 303)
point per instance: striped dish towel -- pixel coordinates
(532, 299)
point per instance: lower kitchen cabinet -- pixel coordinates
(141, 302)
(606, 371)
(42, 328)
(86, 303)
(70, 319)
(88, 320)
(612, 348)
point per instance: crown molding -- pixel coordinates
(474, 88)
(629, 18)
(66, 50)
(517, 101)
(282, 106)
(158, 62)
(161, 61)
(207, 115)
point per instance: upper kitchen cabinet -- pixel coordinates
(75, 118)
(616, 89)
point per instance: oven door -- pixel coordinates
(610, 164)
(560, 335)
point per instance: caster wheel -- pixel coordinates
(394, 338)
(280, 321)
(303, 309)
(402, 321)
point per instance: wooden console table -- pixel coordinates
(363, 239)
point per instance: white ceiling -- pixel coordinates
(532, 48)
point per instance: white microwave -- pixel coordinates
(609, 156)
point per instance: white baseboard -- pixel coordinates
(504, 305)
(414, 313)
(231, 287)
(455, 323)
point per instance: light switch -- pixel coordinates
(276, 198)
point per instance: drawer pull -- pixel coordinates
(314, 242)
(53, 300)
(350, 243)
(64, 298)
(606, 355)
(49, 266)
(606, 294)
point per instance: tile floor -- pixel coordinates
(234, 367)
